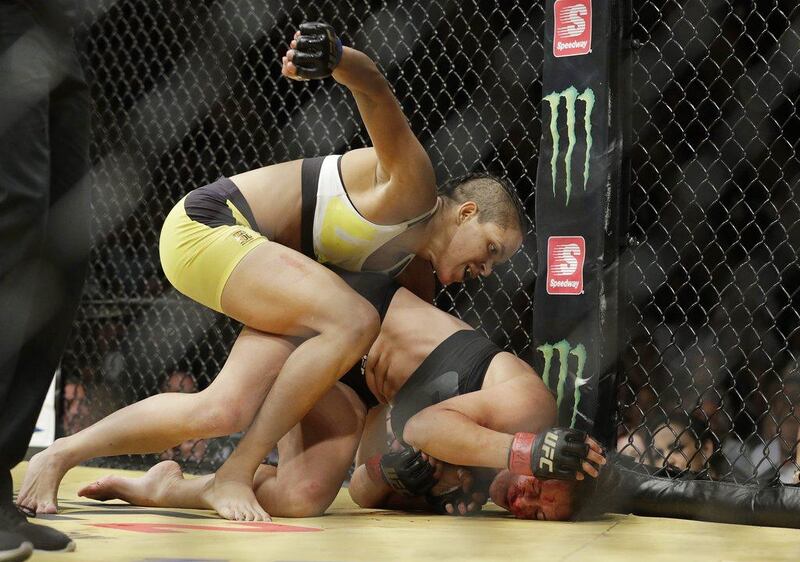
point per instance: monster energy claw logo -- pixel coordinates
(563, 350)
(570, 97)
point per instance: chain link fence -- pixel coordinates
(710, 374)
(186, 92)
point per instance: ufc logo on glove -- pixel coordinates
(548, 451)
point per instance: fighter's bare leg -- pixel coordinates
(314, 458)
(162, 486)
(315, 303)
(274, 290)
(161, 421)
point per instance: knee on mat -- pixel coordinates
(309, 499)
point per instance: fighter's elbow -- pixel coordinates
(361, 75)
(547, 406)
(361, 500)
(542, 412)
(417, 430)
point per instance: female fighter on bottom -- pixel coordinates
(455, 396)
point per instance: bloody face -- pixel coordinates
(527, 497)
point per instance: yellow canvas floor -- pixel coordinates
(115, 531)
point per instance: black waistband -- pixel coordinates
(309, 182)
(457, 366)
(207, 204)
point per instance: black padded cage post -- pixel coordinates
(618, 219)
(577, 194)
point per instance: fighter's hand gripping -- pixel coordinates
(406, 472)
(560, 453)
(456, 497)
(314, 52)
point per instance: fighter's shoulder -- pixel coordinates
(358, 168)
(506, 367)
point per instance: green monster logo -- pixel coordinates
(562, 351)
(571, 97)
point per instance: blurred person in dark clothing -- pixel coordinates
(44, 230)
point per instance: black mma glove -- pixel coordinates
(454, 497)
(406, 472)
(318, 50)
(439, 503)
(556, 453)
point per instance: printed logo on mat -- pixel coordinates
(573, 28)
(252, 527)
(565, 257)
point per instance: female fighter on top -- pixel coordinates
(245, 246)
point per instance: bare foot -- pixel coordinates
(234, 500)
(38, 493)
(148, 490)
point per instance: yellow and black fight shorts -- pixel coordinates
(204, 237)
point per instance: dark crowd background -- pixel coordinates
(709, 377)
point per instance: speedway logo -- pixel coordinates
(572, 101)
(563, 357)
(565, 259)
(573, 28)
